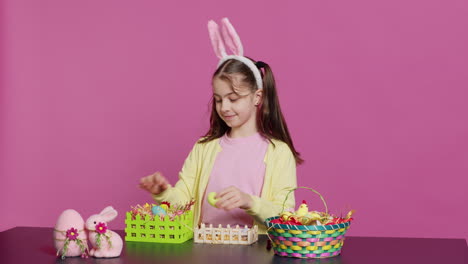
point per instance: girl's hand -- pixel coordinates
(155, 183)
(231, 198)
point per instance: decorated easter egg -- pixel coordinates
(158, 210)
(211, 198)
(69, 234)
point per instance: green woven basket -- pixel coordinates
(306, 241)
(157, 230)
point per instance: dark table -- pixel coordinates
(35, 245)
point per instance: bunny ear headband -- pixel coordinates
(233, 42)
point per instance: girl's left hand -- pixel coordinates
(231, 198)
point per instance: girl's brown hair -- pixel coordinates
(270, 120)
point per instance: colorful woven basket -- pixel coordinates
(306, 241)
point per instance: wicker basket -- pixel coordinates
(157, 230)
(306, 241)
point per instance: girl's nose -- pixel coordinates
(224, 106)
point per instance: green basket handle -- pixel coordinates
(301, 187)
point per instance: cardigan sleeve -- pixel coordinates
(183, 191)
(283, 179)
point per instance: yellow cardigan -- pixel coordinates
(280, 177)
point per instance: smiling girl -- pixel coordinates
(247, 156)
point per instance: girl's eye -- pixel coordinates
(232, 100)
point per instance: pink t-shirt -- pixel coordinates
(240, 164)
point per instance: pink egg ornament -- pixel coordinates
(70, 238)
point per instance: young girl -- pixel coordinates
(247, 157)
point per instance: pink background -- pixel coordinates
(96, 94)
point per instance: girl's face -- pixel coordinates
(238, 110)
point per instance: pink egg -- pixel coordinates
(67, 220)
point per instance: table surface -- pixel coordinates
(35, 245)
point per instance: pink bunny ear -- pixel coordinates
(216, 39)
(231, 38)
(108, 214)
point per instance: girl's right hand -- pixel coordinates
(155, 183)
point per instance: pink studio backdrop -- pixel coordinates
(96, 94)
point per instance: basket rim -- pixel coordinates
(304, 227)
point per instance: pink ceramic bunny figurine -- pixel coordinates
(105, 243)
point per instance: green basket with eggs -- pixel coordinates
(147, 227)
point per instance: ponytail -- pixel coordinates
(270, 119)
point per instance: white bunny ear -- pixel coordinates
(108, 214)
(231, 38)
(216, 39)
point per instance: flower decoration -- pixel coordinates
(101, 228)
(72, 233)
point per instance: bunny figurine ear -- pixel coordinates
(108, 213)
(216, 39)
(231, 38)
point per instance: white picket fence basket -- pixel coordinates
(225, 235)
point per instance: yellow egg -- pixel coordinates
(211, 198)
